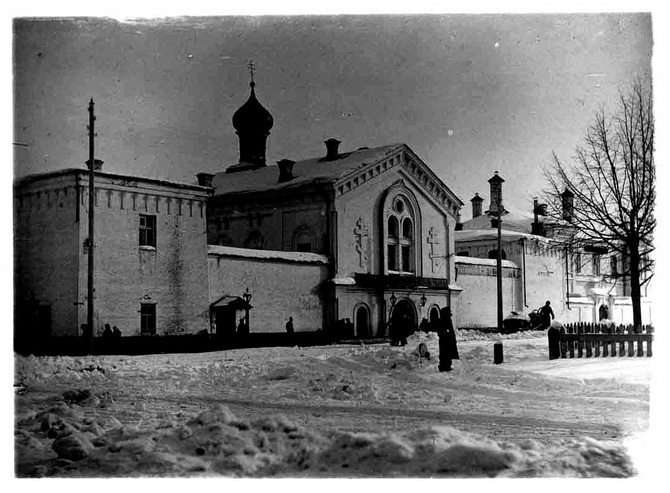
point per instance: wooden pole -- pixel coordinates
(91, 221)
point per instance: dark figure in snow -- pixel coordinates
(448, 347)
(85, 332)
(546, 314)
(349, 327)
(603, 312)
(107, 332)
(289, 326)
(243, 327)
(116, 332)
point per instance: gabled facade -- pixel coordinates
(381, 216)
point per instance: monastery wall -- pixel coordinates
(476, 305)
(282, 285)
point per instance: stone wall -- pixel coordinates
(476, 305)
(282, 285)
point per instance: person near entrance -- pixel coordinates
(448, 346)
(603, 312)
(546, 314)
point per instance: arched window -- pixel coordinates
(303, 239)
(400, 246)
(407, 228)
(393, 226)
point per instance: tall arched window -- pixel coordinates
(400, 246)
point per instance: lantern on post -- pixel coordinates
(247, 298)
(423, 300)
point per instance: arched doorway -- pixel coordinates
(403, 321)
(362, 319)
(434, 318)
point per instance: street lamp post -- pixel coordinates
(496, 182)
(247, 298)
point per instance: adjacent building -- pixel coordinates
(150, 254)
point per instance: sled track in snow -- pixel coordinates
(404, 419)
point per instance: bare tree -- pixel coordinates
(604, 198)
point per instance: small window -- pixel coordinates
(493, 254)
(614, 268)
(578, 263)
(392, 256)
(147, 230)
(407, 228)
(147, 318)
(407, 265)
(393, 227)
(596, 265)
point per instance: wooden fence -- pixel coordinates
(595, 340)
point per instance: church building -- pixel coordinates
(379, 217)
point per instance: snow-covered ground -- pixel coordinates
(344, 410)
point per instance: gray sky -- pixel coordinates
(470, 94)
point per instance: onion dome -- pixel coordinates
(252, 116)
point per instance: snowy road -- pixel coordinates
(527, 409)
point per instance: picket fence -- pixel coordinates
(598, 340)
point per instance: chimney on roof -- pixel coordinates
(97, 166)
(496, 182)
(476, 205)
(205, 179)
(285, 170)
(568, 203)
(537, 228)
(459, 224)
(332, 151)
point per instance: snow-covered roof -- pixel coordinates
(483, 261)
(513, 220)
(491, 234)
(314, 170)
(226, 251)
(344, 281)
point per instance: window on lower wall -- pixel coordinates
(148, 318)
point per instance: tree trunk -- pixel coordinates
(634, 253)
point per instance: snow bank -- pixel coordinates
(216, 442)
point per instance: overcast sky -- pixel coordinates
(470, 94)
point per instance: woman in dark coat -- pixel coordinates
(448, 347)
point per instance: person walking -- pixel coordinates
(448, 345)
(546, 315)
(289, 326)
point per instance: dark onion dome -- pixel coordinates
(252, 115)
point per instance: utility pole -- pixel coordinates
(91, 221)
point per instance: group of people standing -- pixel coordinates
(108, 332)
(399, 331)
